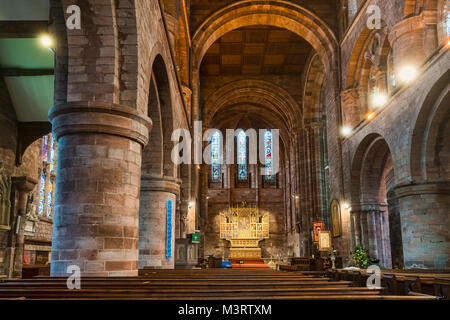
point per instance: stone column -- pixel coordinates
(364, 230)
(395, 231)
(425, 222)
(372, 234)
(155, 191)
(97, 190)
(24, 185)
(356, 224)
(407, 41)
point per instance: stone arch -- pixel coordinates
(162, 109)
(312, 90)
(370, 162)
(374, 224)
(429, 148)
(258, 92)
(152, 156)
(355, 69)
(275, 13)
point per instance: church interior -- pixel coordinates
(251, 148)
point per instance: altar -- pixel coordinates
(244, 228)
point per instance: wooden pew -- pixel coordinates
(191, 285)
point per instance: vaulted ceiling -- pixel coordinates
(256, 50)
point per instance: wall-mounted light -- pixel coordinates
(370, 116)
(346, 205)
(379, 100)
(191, 204)
(346, 131)
(47, 42)
(407, 73)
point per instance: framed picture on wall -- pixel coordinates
(325, 240)
(317, 227)
(335, 212)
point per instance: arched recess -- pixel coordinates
(430, 151)
(164, 98)
(275, 13)
(375, 226)
(152, 154)
(369, 73)
(371, 44)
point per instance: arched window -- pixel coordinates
(215, 157)
(47, 177)
(268, 155)
(242, 156)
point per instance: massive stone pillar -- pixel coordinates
(95, 226)
(395, 231)
(425, 221)
(153, 216)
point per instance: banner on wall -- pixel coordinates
(169, 230)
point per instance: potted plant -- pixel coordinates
(361, 258)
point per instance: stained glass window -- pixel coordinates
(268, 155)
(42, 193)
(242, 155)
(215, 157)
(47, 177)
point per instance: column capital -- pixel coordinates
(440, 187)
(100, 117)
(151, 182)
(24, 183)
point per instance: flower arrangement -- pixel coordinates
(361, 258)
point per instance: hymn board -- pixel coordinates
(244, 227)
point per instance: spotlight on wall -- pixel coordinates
(46, 41)
(379, 100)
(346, 205)
(370, 116)
(407, 74)
(346, 131)
(191, 204)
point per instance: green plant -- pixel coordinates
(361, 258)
